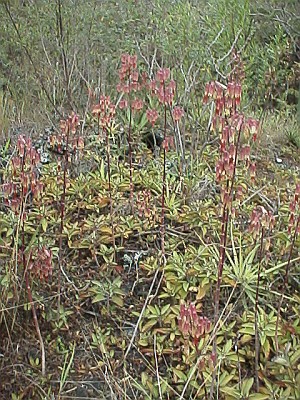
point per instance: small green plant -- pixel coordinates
(108, 291)
(68, 361)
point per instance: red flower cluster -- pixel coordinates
(128, 70)
(137, 104)
(23, 180)
(261, 219)
(164, 91)
(168, 143)
(144, 205)
(178, 113)
(40, 263)
(251, 128)
(226, 164)
(228, 147)
(152, 116)
(70, 124)
(58, 143)
(191, 324)
(130, 82)
(227, 99)
(105, 112)
(231, 125)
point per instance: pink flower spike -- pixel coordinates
(163, 74)
(238, 90)
(172, 85)
(253, 125)
(152, 116)
(182, 310)
(231, 89)
(133, 61)
(178, 113)
(210, 88)
(153, 87)
(123, 104)
(135, 76)
(126, 88)
(245, 152)
(168, 143)
(119, 87)
(124, 58)
(137, 104)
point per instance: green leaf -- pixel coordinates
(44, 224)
(228, 346)
(99, 297)
(270, 332)
(247, 385)
(230, 391)
(279, 266)
(143, 342)
(185, 286)
(259, 396)
(234, 357)
(9, 232)
(179, 374)
(117, 300)
(149, 325)
(247, 330)
(280, 360)
(295, 357)
(5, 280)
(246, 338)
(165, 309)
(153, 310)
(225, 378)
(145, 378)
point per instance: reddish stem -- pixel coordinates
(162, 228)
(223, 242)
(130, 155)
(109, 190)
(62, 216)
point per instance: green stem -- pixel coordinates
(257, 341)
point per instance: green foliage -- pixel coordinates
(194, 38)
(108, 291)
(121, 319)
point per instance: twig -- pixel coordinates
(156, 368)
(232, 47)
(141, 315)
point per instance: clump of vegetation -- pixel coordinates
(150, 240)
